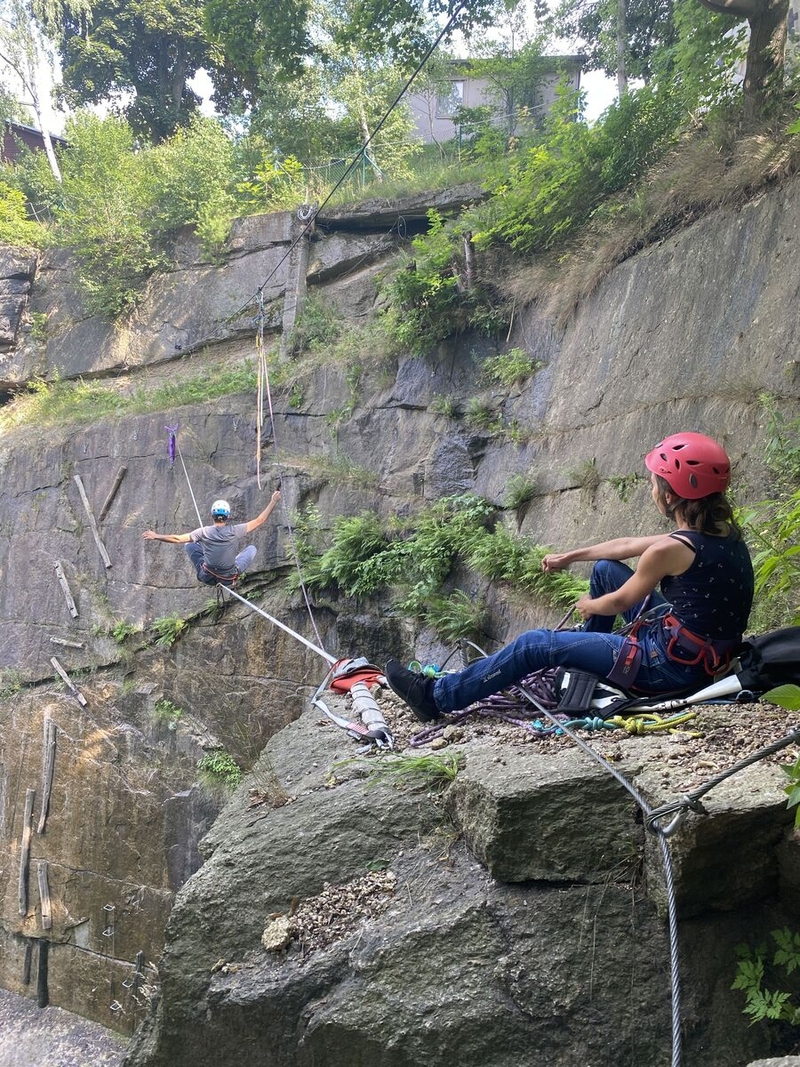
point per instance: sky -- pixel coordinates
(600, 92)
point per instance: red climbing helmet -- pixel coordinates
(692, 464)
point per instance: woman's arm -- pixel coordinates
(664, 557)
(619, 548)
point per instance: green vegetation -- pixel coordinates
(510, 368)
(11, 682)
(444, 405)
(168, 713)
(520, 490)
(122, 630)
(480, 415)
(454, 616)
(757, 965)
(39, 331)
(168, 629)
(626, 484)
(15, 226)
(304, 87)
(780, 967)
(427, 301)
(772, 526)
(413, 560)
(56, 402)
(219, 769)
(426, 771)
(788, 696)
(586, 475)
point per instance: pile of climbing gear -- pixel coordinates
(357, 677)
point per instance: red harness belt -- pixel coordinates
(714, 654)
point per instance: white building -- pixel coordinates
(435, 110)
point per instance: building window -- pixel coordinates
(448, 102)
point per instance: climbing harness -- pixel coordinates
(689, 649)
(221, 579)
(771, 659)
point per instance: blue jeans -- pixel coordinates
(194, 551)
(608, 575)
(592, 650)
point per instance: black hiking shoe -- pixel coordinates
(415, 689)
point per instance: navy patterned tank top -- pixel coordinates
(714, 596)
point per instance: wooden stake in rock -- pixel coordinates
(112, 493)
(65, 643)
(48, 766)
(68, 682)
(25, 850)
(44, 895)
(67, 594)
(95, 532)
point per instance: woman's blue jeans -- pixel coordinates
(592, 649)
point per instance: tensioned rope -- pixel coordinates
(691, 801)
(263, 387)
(191, 491)
(669, 878)
(355, 160)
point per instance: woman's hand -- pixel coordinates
(585, 607)
(555, 561)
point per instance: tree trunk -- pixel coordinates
(622, 45)
(764, 71)
(769, 23)
(46, 138)
(24, 58)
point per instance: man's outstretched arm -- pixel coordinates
(265, 514)
(173, 539)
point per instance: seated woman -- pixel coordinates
(706, 577)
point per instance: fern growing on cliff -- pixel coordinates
(758, 965)
(415, 559)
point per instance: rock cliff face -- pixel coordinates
(484, 939)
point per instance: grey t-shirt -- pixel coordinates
(219, 546)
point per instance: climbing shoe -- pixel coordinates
(415, 689)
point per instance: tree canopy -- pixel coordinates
(145, 49)
(140, 55)
(649, 28)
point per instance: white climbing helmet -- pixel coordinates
(220, 509)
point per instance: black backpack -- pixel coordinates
(770, 660)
